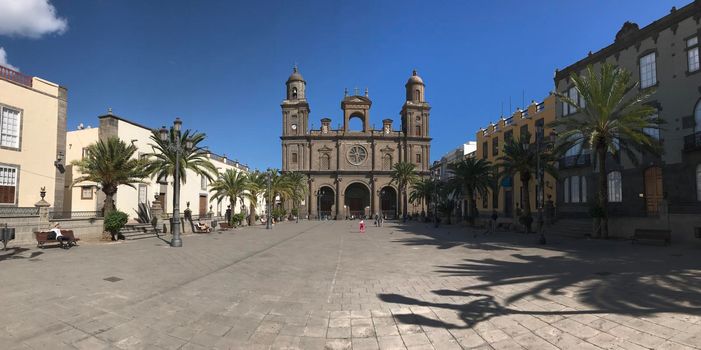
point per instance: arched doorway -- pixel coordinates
(357, 199)
(325, 198)
(388, 202)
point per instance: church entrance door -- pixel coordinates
(357, 200)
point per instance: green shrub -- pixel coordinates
(279, 213)
(237, 219)
(294, 211)
(114, 221)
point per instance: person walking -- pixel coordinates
(362, 226)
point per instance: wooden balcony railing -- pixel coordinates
(15, 76)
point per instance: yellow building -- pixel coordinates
(490, 145)
(87, 196)
(32, 139)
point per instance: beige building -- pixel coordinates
(32, 139)
(88, 196)
(349, 168)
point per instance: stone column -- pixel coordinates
(339, 205)
(374, 197)
(313, 211)
(43, 206)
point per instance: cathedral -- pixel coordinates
(348, 170)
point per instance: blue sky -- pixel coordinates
(221, 65)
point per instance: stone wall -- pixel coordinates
(87, 229)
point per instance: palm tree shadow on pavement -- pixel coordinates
(584, 277)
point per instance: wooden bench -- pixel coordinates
(68, 239)
(224, 226)
(646, 233)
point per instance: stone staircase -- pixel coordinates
(138, 231)
(575, 228)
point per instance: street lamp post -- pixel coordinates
(178, 148)
(268, 225)
(319, 193)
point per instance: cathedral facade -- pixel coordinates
(348, 171)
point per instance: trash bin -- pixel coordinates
(6, 234)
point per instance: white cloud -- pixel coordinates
(30, 18)
(3, 60)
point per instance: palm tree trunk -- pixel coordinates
(471, 206)
(252, 214)
(603, 192)
(528, 219)
(108, 205)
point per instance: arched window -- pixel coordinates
(575, 189)
(615, 187)
(325, 163)
(294, 93)
(417, 95)
(566, 188)
(418, 130)
(387, 162)
(698, 182)
(697, 117)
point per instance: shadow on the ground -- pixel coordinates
(14, 253)
(603, 277)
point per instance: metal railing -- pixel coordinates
(692, 141)
(575, 161)
(74, 215)
(15, 76)
(10, 212)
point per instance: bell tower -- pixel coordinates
(295, 109)
(416, 111)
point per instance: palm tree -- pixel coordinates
(610, 122)
(111, 163)
(421, 192)
(297, 183)
(471, 176)
(231, 184)
(521, 157)
(403, 174)
(195, 159)
(256, 186)
(279, 187)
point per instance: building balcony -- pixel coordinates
(575, 161)
(14, 76)
(693, 141)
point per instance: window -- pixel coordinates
(143, 194)
(418, 158)
(697, 117)
(417, 95)
(294, 93)
(576, 149)
(203, 183)
(325, 162)
(653, 132)
(485, 147)
(574, 187)
(508, 136)
(566, 189)
(387, 162)
(8, 184)
(574, 96)
(86, 192)
(495, 199)
(648, 71)
(614, 185)
(698, 182)
(9, 127)
(84, 153)
(584, 189)
(495, 146)
(524, 131)
(539, 129)
(294, 157)
(692, 54)
(485, 202)
(418, 130)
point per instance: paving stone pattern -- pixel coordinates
(324, 285)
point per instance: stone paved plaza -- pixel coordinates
(324, 285)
